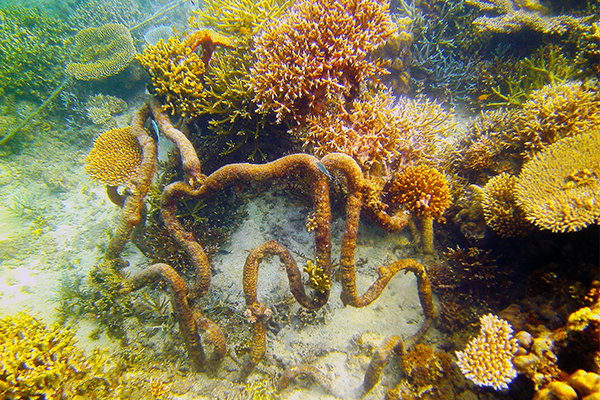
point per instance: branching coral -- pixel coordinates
(42, 362)
(381, 133)
(32, 52)
(100, 108)
(317, 56)
(515, 15)
(115, 157)
(103, 52)
(500, 209)
(425, 192)
(559, 188)
(487, 359)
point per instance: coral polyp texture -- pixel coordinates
(100, 108)
(380, 130)
(104, 51)
(500, 208)
(559, 188)
(514, 15)
(557, 111)
(318, 55)
(115, 157)
(39, 362)
(487, 359)
(422, 189)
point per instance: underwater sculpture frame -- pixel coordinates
(184, 295)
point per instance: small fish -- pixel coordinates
(324, 170)
(483, 97)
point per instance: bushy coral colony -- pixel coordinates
(480, 119)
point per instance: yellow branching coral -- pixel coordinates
(514, 15)
(558, 111)
(41, 362)
(559, 189)
(380, 130)
(487, 359)
(115, 157)
(317, 55)
(103, 52)
(500, 208)
(422, 189)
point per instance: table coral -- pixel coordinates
(559, 187)
(318, 55)
(103, 52)
(487, 359)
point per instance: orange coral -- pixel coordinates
(422, 189)
(380, 130)
(318, 54)
(115, 157)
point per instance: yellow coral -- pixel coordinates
(115, 157)
(100, 108)
(500, 209)
(318, 55)
(41, 362)
(559, 189)
(422, 189)
(487, 359)
(103, 52)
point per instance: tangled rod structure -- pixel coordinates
(196, 328)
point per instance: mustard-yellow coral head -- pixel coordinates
(318, 54)
(500, 209)
(487, 359)
(559, 189)
(103, 52)
(422, 189)
(115, 157)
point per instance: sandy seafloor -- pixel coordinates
(67, 225)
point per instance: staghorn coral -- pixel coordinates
(32, 51)
(588, 48)
(37, 361)
(103, 52)
(559, 188)
(557, 111)
(379, 132)
(115, 157)
(487, 359)
(317, 56)
(500, 209)
(514, 15)
(100, 108)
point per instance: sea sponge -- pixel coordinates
(37, 361)
(559, 189)
(500, 208)
(422, 189)
(487, 359)
(378, 130)
(103, 52)
(318, 55)
(115, 157)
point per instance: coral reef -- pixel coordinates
(500, 208)
(514, 15)
(316, 57)
(487, 359)
(95, 13)
(100, 108)
(559, 188)
(426, 194)
(43, 362)
(380, 133)
(115, 157)
(32, 51)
